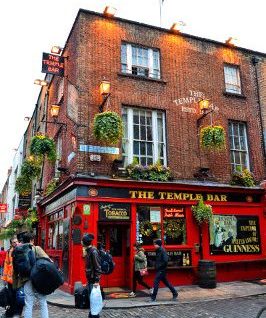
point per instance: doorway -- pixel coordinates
(115, 238)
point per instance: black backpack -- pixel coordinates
(5, 297)
(107, 263)
(45, 276)
(23, 259)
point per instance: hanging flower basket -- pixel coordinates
(243, 178)
(202, 212)
(108, 127)
(23, 185)
(43, 146)
(31, 168)
(212, 137)
(51, 186)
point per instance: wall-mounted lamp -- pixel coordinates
(177, 26)
(205, 109)
(231, 41)
(56, 49)
(105, 90)
(41, 82)
(54, 110)
(27, 118)
(109, 11)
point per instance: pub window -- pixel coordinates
(232, 79)
(144, 136)
(166, 223)
(55, 231)
(238, 146)
(141, 61)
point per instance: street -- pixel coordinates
(246, 307)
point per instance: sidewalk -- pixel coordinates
(187, 294)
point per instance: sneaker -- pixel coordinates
(132, 294)
(151, 300)
(175, 296)
(151, 290)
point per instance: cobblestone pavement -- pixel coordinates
(246, 307)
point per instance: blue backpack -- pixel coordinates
(23, 259)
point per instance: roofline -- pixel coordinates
(194, 37)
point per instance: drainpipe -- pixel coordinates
(255, 60)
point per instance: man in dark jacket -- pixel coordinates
(160, 268)
(92, 264)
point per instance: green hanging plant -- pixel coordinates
(43, 146)
(23, 185)
(108, 127)
(202, 212)
(51, 186)
(212, 137)
(31, 168)
(243, 178)
(173, 228)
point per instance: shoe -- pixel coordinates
(151, 290)
(175, 297)
(132, 294)
(151, 300)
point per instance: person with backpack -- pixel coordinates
(14, 309)
(24, 257)
(92, 265)
(160, 268)
(140, 265)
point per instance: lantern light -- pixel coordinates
(109, 11)
(204, 105)
(54, 111)
(56, 49)
(105, 87)
(41, 82)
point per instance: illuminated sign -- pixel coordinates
(3, 208)
(53, 64)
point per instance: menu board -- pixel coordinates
(234, 234)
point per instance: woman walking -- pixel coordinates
(140, 265)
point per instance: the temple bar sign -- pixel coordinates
(53, 64)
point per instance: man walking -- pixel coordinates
(160, 268)
(24, 280)
(92, 265)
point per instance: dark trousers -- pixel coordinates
(137, 278)
(161, 277)
(14, 308)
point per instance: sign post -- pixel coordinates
(3, 208)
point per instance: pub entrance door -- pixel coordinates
(115, 238)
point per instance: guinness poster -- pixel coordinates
(234, 234)
(114, 212)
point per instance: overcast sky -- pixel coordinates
(31, 27)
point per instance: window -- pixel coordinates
(166, 223)
(238, 146)
(55, 230)
(58, 155)
(144, 136)
(232, 79)
(140, 61)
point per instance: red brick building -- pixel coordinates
(157, 78)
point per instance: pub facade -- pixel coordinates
(157, 78)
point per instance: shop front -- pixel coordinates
(119, 213)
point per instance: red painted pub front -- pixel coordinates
(121, 212)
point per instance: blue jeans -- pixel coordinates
(31, 296)
(161, 277)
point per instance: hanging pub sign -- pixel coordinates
(234, 234)
(53, 64)
(3, 208)
(114, 212)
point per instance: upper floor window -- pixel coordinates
(232, 79)
(138, 60)
(144, 136)
(238, 146)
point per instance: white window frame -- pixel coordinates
(234, 150)
(232, 79)
(155, 142)
(150, 61)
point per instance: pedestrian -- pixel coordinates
(101, 250)
(92, 265)
(140, 265)
(18, 280)
(160, 270)
(2, 260)
(13, 309)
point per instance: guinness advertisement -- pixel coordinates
(114, 212)
(234, 234)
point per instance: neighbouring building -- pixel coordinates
(157, 77)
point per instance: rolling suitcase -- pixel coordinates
(81, 295)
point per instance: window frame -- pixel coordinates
(235, 150)
(238, 75)
(129, 139)
(128, 64)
